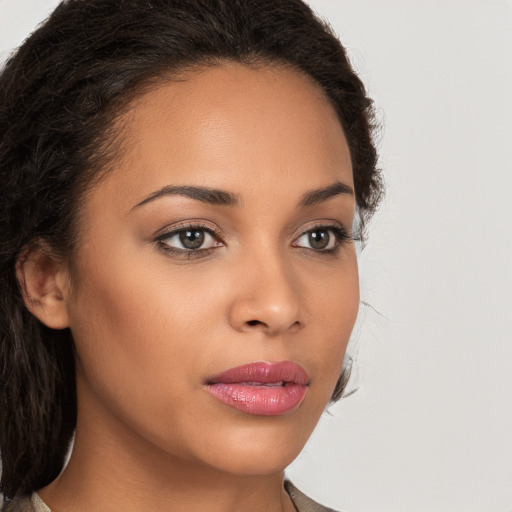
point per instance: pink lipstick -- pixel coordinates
(265, 389)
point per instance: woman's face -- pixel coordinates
(219, 240)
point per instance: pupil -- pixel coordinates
(319, 239)
(192, 239)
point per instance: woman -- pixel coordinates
(179, 279)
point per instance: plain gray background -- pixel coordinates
(429, 428)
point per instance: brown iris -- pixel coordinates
(192, 238)
(319, 239)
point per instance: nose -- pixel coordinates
(267, 298)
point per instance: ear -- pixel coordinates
(43, 281)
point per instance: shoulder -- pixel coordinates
(302, 502)
(26, 504)
(19, 504)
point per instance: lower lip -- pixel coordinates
(260, 400)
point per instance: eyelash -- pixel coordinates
(188, 253)
(341, 235)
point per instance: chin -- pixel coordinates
(266, 448)
(260, 461)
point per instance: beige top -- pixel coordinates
(35, 504)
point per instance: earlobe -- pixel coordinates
(41, 280)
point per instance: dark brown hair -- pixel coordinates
(60, 94)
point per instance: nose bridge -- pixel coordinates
(268, 297)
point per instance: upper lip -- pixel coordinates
(261, 372)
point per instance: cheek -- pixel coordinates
(335, 306)
(123, 319)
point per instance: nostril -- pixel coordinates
(253, 323)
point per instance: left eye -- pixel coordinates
(320, 239)
(190, 239)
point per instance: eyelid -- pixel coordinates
(188, 224)
(325, 224)
(339, 231)
(177, 253)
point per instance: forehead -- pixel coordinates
(231, 126)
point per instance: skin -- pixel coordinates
(151, 326)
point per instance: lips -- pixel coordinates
(260, 388)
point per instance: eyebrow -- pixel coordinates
(322, 194)
(203, 194)
(224, 198)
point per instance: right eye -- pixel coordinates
(189, 240)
